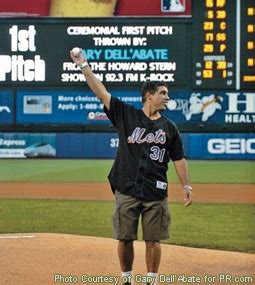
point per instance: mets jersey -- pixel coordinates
(145, 148)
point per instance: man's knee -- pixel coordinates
(126, 242)
(151, 244)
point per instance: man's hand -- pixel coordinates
(187, 195)
(78, 56)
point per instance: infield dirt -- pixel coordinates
(211, 193)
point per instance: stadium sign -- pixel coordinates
(18, 67)
(241, 108)
(231, 145)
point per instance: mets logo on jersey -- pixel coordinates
(173, 5)
(138, 136)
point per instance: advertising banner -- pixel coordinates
(217, 107)
(105, 145)
(221, 146)
(77, 107)
(197, 146)
(25, 145)
(66, 107)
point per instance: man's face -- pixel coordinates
(160, 98)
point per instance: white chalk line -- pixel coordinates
(15, 237)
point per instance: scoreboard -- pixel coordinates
(214, 45)
(214, 49)
(207, 57)
(35, 52)
(223, 44)
(247, 43)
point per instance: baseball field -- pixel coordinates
(56, 223)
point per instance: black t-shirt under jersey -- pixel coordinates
(145, 148)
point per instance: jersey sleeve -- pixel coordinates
(176, 150)
(115, 114)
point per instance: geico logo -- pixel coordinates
(21, 69)
(231, 146)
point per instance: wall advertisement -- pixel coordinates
(104, 145)
(82, 107)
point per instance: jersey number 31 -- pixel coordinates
(157, 153)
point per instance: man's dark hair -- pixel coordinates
(151, 87)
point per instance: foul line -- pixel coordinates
(15, 237)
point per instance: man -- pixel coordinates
(147, 141)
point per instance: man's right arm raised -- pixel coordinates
(93, 82)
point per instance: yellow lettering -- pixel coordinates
(250, 28)
(224, 73)
(220, 3)
(221, 14)
(221, 64)
(221, 37)
(222, 47)
(208, 26)
(208, 48)
(208, 64)
(209, 3)
(207, 74)
(223, 26)
(250, 45)
(249, 78)
(251, 62)
(210, 14)
(251, 11)
(209, 37)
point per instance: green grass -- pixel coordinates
(217, 226)
(71, 170)
(55, 170)
(226, 171)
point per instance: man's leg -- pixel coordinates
(153, 256)
(155, 222)
(125, 221)
(126, 255)
(126, 258)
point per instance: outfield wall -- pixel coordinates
(104, 145)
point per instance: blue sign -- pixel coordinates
(105, 145)
(197, 146)
(215, 107)
(89, 145)
(184, 107)
(25, 145)
(6, 107)
(66, 107)
(221, 146)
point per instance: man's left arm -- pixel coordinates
(181, 168)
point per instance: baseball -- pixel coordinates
(76, 51)
(171, 105)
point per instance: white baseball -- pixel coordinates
(171, 105)
(76, 51)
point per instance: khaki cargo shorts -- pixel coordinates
(154, 214)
